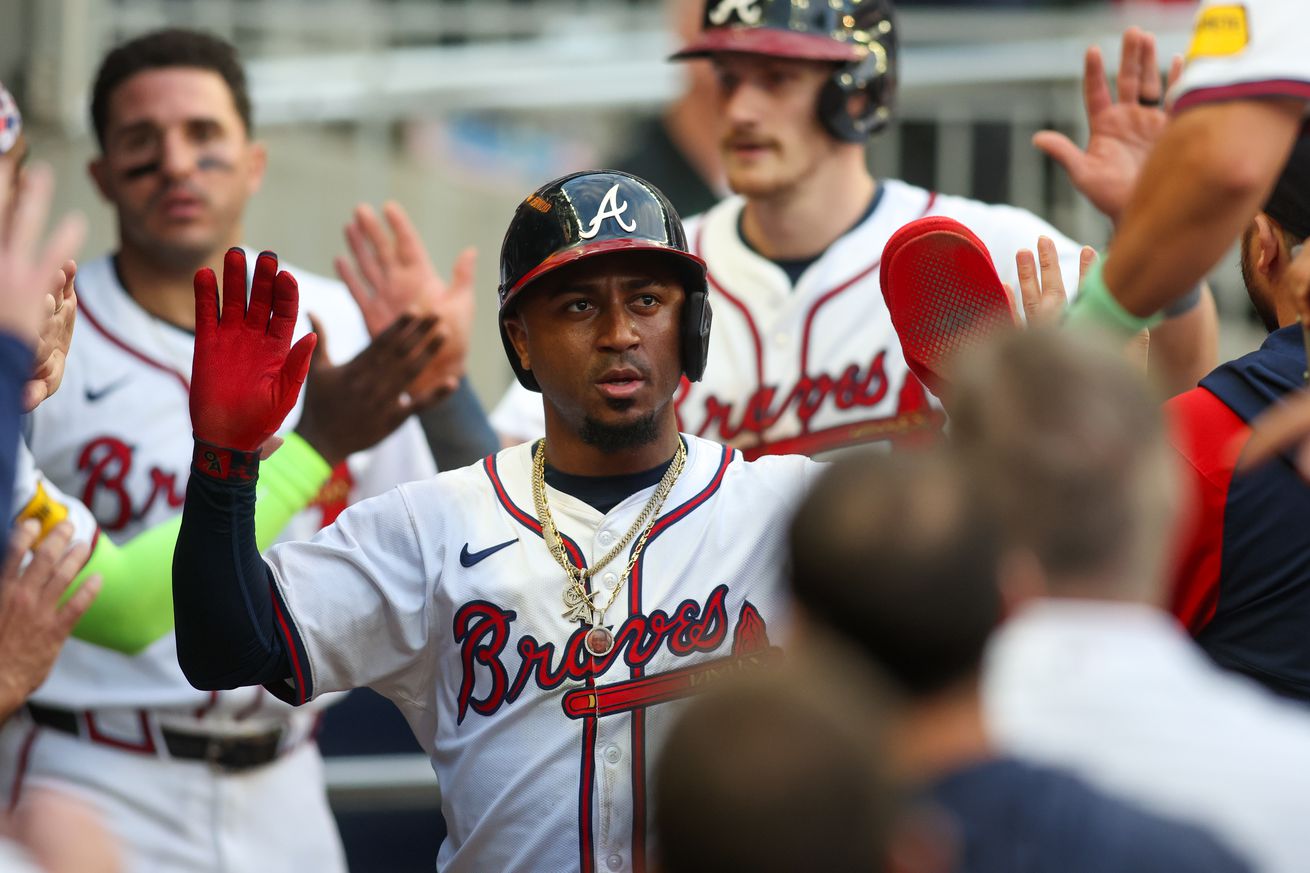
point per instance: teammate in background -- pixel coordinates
(1237, 112)
(805, 358)
(1088, 672)
(1242, 585)
(178, 163)
(534, 616)
(876, 547)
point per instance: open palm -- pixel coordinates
(1123, 131)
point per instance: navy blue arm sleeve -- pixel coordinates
(457, 429)
(15, 370)
(231, 628)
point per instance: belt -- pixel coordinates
(233, 754)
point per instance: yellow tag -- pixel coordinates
(1220, 30)
(45, 511)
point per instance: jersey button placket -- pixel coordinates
(614, 862)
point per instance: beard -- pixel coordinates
(611, 438)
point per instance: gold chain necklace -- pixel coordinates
(580, 604)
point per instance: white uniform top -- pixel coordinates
(1246, 50)
(117, 436)
(33, 488)
(1120, 695)
(816, 367)
(442, 596)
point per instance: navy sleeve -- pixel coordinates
(224, 600)
(15, 370)
(457, 430)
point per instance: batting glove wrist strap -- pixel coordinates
(224, 464)
(1097, 307)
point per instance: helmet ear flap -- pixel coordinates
(696, 318)
(874, 80)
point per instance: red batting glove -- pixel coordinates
(245, 375)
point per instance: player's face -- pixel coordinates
(773, 138)
(602, 339)
(178, 164)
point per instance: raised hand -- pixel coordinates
(33, 624)
(1043, 293)
(393, 275)
(1122, 132)
(27, 267)
(55, 338)
(245, 375)
(354, 406)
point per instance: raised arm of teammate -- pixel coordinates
(1237, 109)
(392, 274)
(1124, 127)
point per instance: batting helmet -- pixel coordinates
(594, 213)
(858, 35)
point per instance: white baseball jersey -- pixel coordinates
(816, 367)
(1247, 50)
(442, 596)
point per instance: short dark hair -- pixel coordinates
(775, 775)
(163, 49)
(1069, 447)
(898, 555)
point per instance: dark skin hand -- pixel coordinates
(354, 406)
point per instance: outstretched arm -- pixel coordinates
(1124, 127)
(245, 378)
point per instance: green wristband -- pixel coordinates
(1096, 307)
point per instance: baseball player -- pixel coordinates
(534, 616)
(189, 780)
(1237, 111)
(805, 358)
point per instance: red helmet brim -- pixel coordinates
(771, 42)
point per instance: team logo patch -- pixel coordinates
(609, 208)
(748, 12)
(44, 510)
(1220, 31)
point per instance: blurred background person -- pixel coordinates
(901, 557)
(678, 151)
(172, 114)
(779, 774)
(1089, 672)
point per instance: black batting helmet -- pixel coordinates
(858, 35)
(594, 213)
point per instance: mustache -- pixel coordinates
(738, 139)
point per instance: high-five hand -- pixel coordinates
(393, 275)
(246, 375)
(1123, 132)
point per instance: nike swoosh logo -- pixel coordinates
(468, 559)
(93, 395)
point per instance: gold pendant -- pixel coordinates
(578, 607)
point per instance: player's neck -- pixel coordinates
(164, 289)
(804, 220)
(941, 734)
(567, 452)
